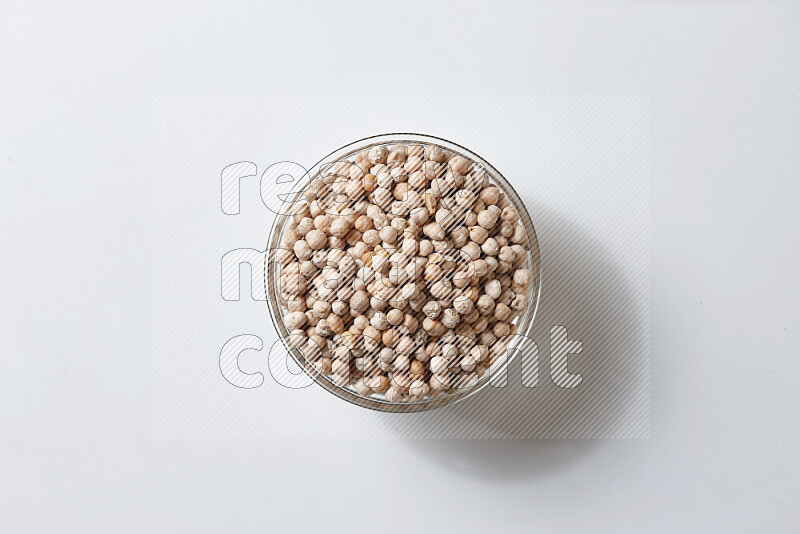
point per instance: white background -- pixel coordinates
(580, 165)
(75, 450)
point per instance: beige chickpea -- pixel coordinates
(394, 317)
(425, 248)
(416, 367)
(485, 305)
(342, 353)
(490, 195)
(363, 223)
(390, 337)
(418, 389)
(468, 363)
(340, 227)
(379, 384)
(321, 309)
(463, 305)
(302, 250)
(440, 382)
(432, 309)
(506, 254)
(413, 164)
(434, 231)
(502, 312)
(388, 234)
(519, 303)
(378, 154)
(316, 239)
(450, 318)
(324, 366)
(501, 329)
(493, 288)
(433, 327)
(294, 320)
(471, 250)
(460, 164)
(519, 236)
(441, 289)
(523, 277)
(371, 237)
(438, 364)
(362, 388)
(434, 153)
(394, 394)
(487, 219)
(397, 155)
(339, 308)
(490, 247)
(401, 363)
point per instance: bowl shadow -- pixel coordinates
(584, 290)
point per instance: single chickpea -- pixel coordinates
(413, 164)
(433, 327)
(490, 247)
(394, 394)
(487, 219)
(316, 239)
(394, 317)
(363, 223)
(397, 155)
(324, 366)
(523, 277)
(450, 318)
(438, 364)
(471, 250)
(339, 308)
(432, 309)
(342, 353)
(378, 154)
(493, 289)
(519, 236)
(485, 304)
(379, 384)
(401, 363)
(417, 367)
(321, 309)
(434, 153)
(388, 234)
(425, 248)
(506, 254)
(302, 250)
(434, 231)
(519, 303)
(371, 238)
(294, 320)
(418, 389)
(502, 312)
(361, 387)
(501, 329)
(490, 195)
(459, 164)
(440, 382)
(463, 305)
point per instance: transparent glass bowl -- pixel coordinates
(524, 321)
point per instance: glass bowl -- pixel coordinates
(523, 322)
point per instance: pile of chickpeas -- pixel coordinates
(402, 272)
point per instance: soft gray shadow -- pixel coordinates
(585, 291)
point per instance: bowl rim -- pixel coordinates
(346, 393)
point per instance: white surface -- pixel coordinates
(580, 164)
(76, 453)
